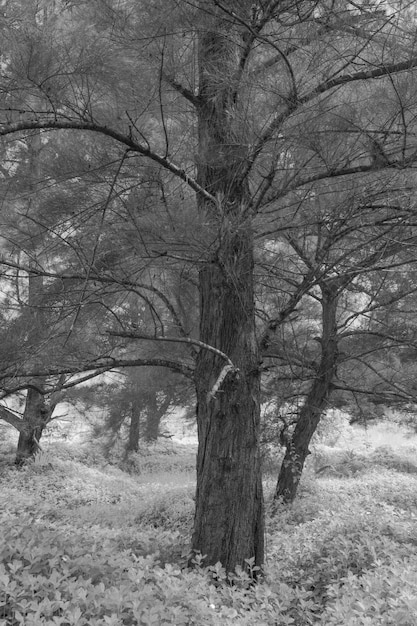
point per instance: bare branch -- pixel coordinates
(302, 288)
(186, 93)
(188, 340)
(96, 367)
(387, 396)
(324, 87)
(256, 34)
(125, 140)
(108, 280)
(11, 418)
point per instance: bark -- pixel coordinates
(35, 417)
(134, 430)
(153, 417)
(228, 525)
(37, 411)
(12, 419)
(152, 428)
(315, 403)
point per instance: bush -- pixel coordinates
(401, 461)
(174, 511)
(384, 596)
(51, 578)
(162, 456)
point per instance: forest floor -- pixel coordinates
(84, 542)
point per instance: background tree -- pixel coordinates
(350, 272)
(136, 404)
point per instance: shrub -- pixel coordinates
(173, 511)
(384, 596)
(401, 461)
(51, 578)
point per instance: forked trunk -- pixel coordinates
(316, 401)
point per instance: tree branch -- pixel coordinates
(382, 395)
(328, 85)
(99, 278)
(188, 340)
(186, 93)
(97, 367)
(125, 140)
(271, 327)
(8, 416)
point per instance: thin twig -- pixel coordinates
(93, 257)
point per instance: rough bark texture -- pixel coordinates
(229, 504)
(36, 416)
(315, 403)
(228, 523)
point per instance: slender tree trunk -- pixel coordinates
(152, 428)
(316, 401)
(134, 430)
(36, 416)
(153, 417)
(37, 413)
(228, 525)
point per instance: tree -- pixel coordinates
(136, 403)
(351, 282)
(232, 104)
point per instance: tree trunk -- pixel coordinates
(153, 419)
(37, 413)
(154, 416)
(134, 430)
(35, 417)
(228, 525)
(229, 504)
(316, 401)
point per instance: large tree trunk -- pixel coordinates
(228, 524)
(229, 505)
(316, 401)
(36, 416)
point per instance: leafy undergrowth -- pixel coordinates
(84, 545)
